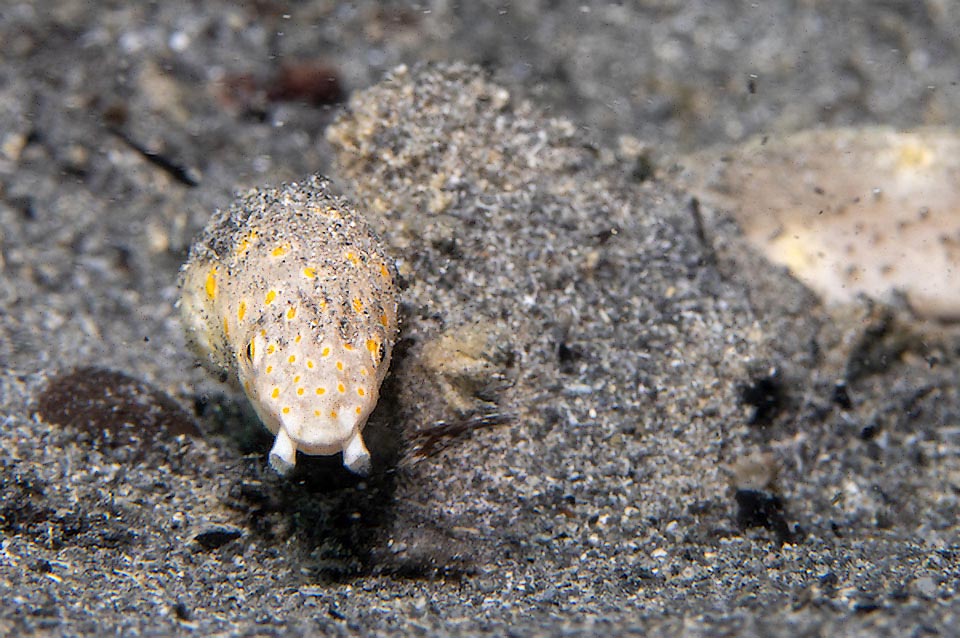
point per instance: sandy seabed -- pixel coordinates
(606, 411)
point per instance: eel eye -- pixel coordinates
(250, 351)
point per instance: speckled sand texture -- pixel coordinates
(606, 412)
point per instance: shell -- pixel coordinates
(869, 211)
(291, 293)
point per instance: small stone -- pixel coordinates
(926, 587)
(215, 537)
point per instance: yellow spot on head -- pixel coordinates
(271, 296)
(280, 250)
(340, 365)
(316, 413)
(364, 372)
(297, 340)
(211, 283)
(286, 410)
(296, 379)
(276, 393)
(352, 259)
(310, 364)
(245, 243)
(226, 327)
(360, 391)
(241, 310)
(359, 410)
(384, 272)
(292, 358)
(269, 369)
(340, 388)
(333, 414)
(321, 390)
(383, 320)
(271, 349)
(357, 304)
(291, 313)
(310, 273)
(373, 346)
(300, 391)
(348, 347)
(325, 352)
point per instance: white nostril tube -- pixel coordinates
(283, 455)
(356, 458)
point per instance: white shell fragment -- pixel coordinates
(848, 211)
(290, 293)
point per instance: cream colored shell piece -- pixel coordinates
(289, 292)
(848, 211)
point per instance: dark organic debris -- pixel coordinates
(184, 174)
(442, 434)
(218, 536)
(870, 431)
(765, 394)
(881, 344)
(112, 409)
(181, 611)
(758, 508)
(312, 82)
(644, 168)
(841, 395)
(568, 356)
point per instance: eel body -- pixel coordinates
(289, 292)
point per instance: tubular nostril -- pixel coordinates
(283, 455)
(356, 458)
